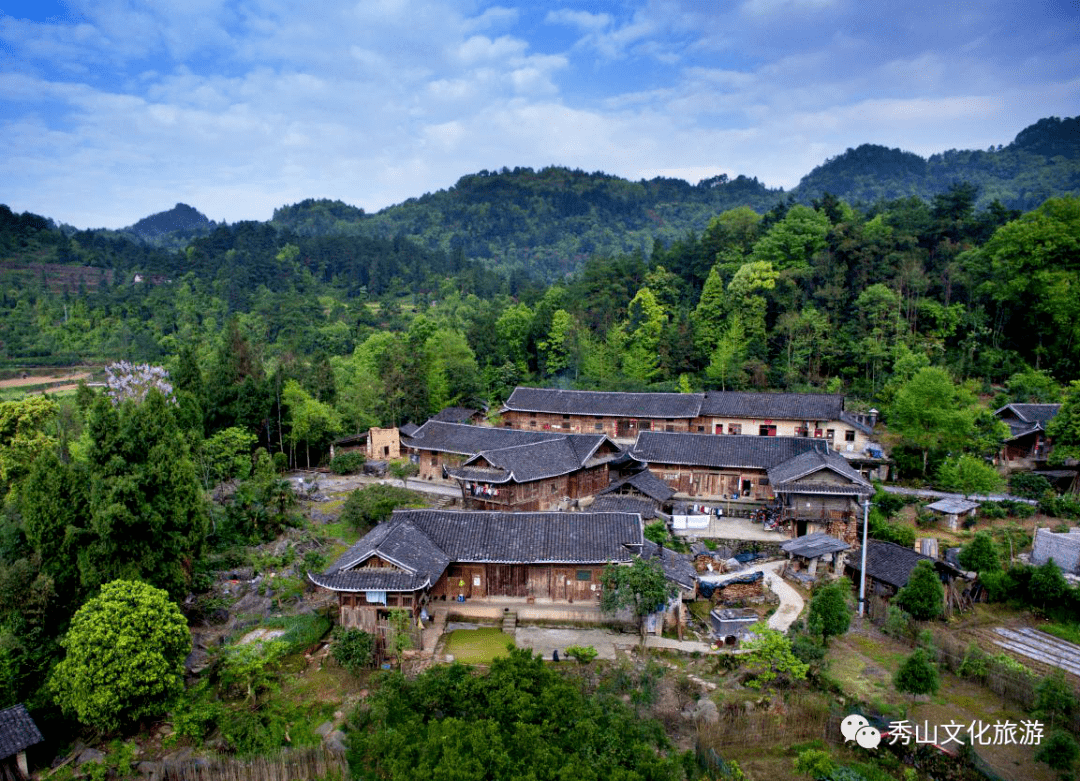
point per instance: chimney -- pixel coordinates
(873, 417)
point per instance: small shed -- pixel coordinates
(730, 625)
(806, 552)
(18, 732)
(954, 509)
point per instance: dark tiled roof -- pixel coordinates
(711, 450)
(469, 440)
(855, 423)
(455, 415)
(773, 406)
(645, 482)
(540, 460)
(787, 476)
(408, 429)
(646, 508)
(402, 544)
(1032, 413)
(676, 566)
(528, 538)
(371, 579)
(952, 506)
(814, 545)
(17, 731)
(604, 403)
(479, 474)
(424, 542)
(893, 564)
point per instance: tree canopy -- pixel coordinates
(125, 656)
(520, 720)
(923, 596)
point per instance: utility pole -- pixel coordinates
(862, 567)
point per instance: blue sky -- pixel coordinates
(111, 110)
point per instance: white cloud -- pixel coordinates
(240, 109)
(584, 20)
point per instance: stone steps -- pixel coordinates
(509, 622)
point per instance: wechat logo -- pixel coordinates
(857, 728)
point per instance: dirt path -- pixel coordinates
(21, 382)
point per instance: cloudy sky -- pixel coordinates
(111, 110)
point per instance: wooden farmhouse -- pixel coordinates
(420, 557)
(888, 568)
(622, 416)
(820, 492)
(437, 446)
(1027, 443)
(543, 475)
(714, 468)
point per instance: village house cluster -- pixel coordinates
(563, 483)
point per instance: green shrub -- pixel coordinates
(1060, 507)
(583, 653)
(353, 649)
(347, 463)
(976, 663)
(657, 532)
(373, 504)
(1060, 751)
(1029, 485)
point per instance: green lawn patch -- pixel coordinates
(477, 646)
(1070, 633)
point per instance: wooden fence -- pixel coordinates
(312, 764)
(793, 723)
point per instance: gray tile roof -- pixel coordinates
(1032, 413)
(529, 538)
(644, 507)
(791, 476)
(952, 506)
(677, 566)
(850, 420)
(424, 542)
(711, 450)
(604, 403)
(539, 460)
(646, 483)
(455, 415)
(775, 406)
(814, 545)
(468, 440)
(893, 564)
(17, 731)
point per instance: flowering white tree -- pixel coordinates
(128, 381)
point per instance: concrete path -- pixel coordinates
(726, 528)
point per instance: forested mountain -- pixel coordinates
(1043, 161)
(546, 223)
(173, 227)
